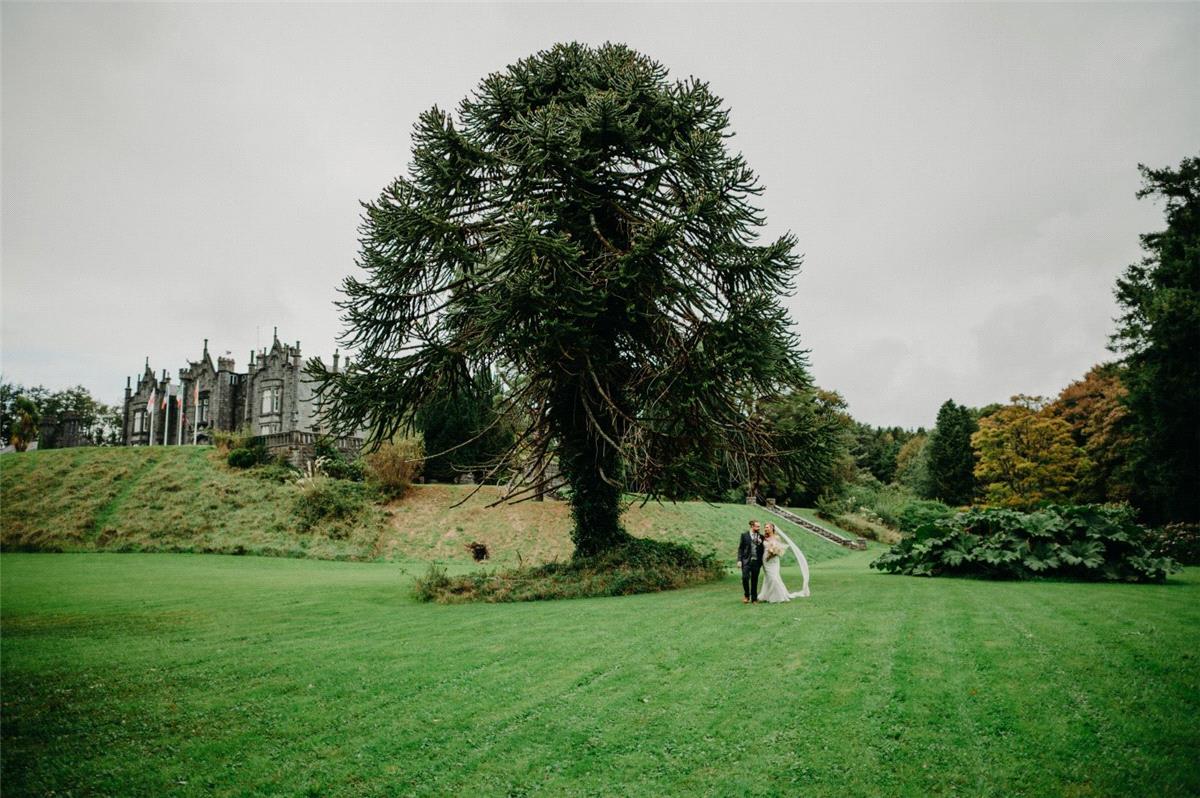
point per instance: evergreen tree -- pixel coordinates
(462, 433)
(581, 221)
(1159, 334)
(951, 460)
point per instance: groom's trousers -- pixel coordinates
(750, 579)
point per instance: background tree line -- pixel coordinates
(23, 409)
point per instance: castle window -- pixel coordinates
(271, 400)
(139, 421)
(267, 429)
(203, 409)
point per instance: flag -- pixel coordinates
(195, 393)
(179, 398)
(153, 399)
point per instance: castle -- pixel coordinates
(273, 399)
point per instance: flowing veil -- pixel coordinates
(803, 592)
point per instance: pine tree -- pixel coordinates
(951, 460)
(1159, 334)
(581, 223)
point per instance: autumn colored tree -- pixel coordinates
(1027, 456)
(1094, 408)
(1159, 335)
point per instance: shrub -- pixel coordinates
(247, 456)
(734, 496)
(330, 461)
(640, 566)
(394, 466)
(478, 550)
(433, 584)
(226, 441)
(322, 499)
(1179, 541)
(1092, 542)
(918, 512)
(276, 471)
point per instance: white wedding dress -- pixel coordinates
(773, 589)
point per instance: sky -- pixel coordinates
(961, 178)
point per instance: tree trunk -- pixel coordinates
(586, 460)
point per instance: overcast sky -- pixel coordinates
(961, 178)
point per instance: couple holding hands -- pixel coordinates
(763, 552)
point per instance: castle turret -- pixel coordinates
(125, 417)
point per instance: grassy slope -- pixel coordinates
(185, 499)
(141, 675)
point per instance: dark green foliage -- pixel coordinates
(248, 456)
(636, 566)
(1159, 334)
(875, 449)
(1092, 542)
(100, 423)
(331, 462)
(330, 500)
(276, 471)
(918, 513)
(462, 433)
(581, 223)
(951, 461)
(893, 506)
(1179, 541)
(813, 430)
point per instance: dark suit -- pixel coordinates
(750, 555)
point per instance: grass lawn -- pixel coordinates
(198, 675)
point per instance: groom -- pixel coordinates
(750, 557)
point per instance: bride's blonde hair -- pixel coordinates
(769, 528)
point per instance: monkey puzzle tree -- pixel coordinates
(581, 222)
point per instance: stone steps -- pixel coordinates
(833, 537)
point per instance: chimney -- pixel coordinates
(206, 346)
(335, 361)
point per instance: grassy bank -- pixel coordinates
(184, 499)
(140, 675)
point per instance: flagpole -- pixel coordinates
(179, 406)
(153, 406)
(195, 409)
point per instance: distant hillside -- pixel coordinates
(184, 499)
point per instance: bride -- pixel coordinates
(775, 543)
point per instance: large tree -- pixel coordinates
(1027, 456)
(814, 431)
(951, 460)
(1094, 407)
(1159, 335)
(580, 221)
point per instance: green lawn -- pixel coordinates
(194, 675)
